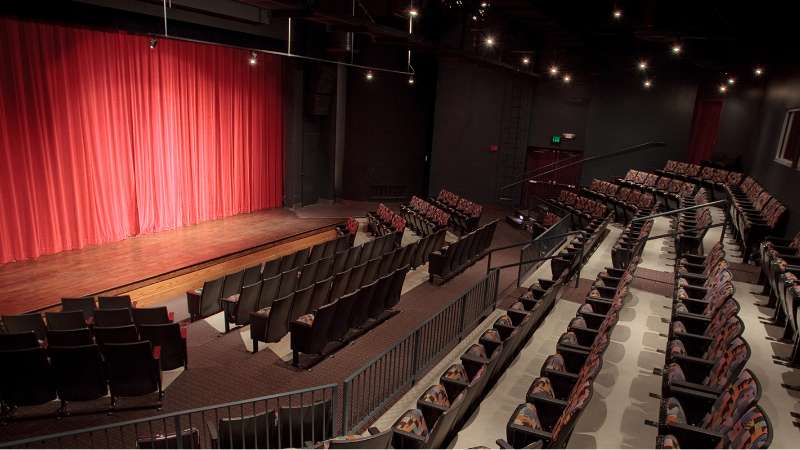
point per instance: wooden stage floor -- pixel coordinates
(141, 261)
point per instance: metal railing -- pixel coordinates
(542, 246)
(281, 420)
(382, 380)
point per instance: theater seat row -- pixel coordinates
(780, 272)
(579, 248)
(754, 214)
(424, 218)
(623, 201)
(384, 221)
(667, 189)
(454, 258)
(584, 210)
(630, 242)
(465, 215)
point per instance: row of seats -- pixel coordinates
(556, 399)
(443, 407)
(712, 178)
(667, 189)
(780, 269)
(584, 210)
(690, 227)
(708, 399)
(454, 258)
(384, 221)
(205, 301)
(580, 247)
(753, 214)
(314, 285)
(465, 215)
(624, 201)
(423, 217)
(630, 242)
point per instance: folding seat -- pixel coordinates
(310, 333)
(395, 291)
(362, 257)
(308, 274)
(387, 263)
(151, 316)
(269, 291)
(511, 337)
(375, 439)
(477, 363)
(288, 282)
(411, 430)
(441, 262)
(132, 370)
(340, 260)
(116, 335)
(301, 424)
(238, 307)
(18, 341)
(378, 247)
(252, 275)
(341, 325)
(322, 290)
(272, 323)
(190, 438)
(114, 302)
(271, 268)
(364, 306)
(371, 272)
(559, 385)
(287, 262)
(84, 304)
(339, 287)
(408, 254)
(331, 248)
(708, 348)
(113, 317)
(706, 376)
(25, 322)
(251, 431)
(204, 302)
(689, 412)
(752, 431)
(300, 258)
(301, 303)
(703, 326)
(356, 277)
(67, 320)
(712, 299)
(317, 252)
(80, 374)
(69, 338)
(170, 339)
(232, 284)
(551, 422)
(324, 269)
(27, 377)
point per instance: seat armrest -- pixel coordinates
(693, 437)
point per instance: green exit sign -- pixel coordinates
(555, 139)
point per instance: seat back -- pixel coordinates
(324, 269)
(25, 322)
(378, 440)
(339, 285)
(729, 365)
(288, 262)
(232, 284)
(269, 291)
(308, 275)
(83, 304)
(256, 431)
(371, 272)
(149, 316)
(79, 372)
(322, 290)
(341, 258)
(742, 394)
(18, 341)
(356, 276)
(131, 369)
(306, 423)
(65, 320)
(279, 318)
(209, 299)
(317, 252)
(301, 303)
(116, 335)
(332, 248)
(113, 317)
(753, 430)
(320, 330)
(114, 302)
(342, 323)
(248, 303)
(271, 268)
(395, 288)
(252, 275)
(363, 305)
(365, 254)
(171, 342)
(387, 263)
(69, 338)
(27, 377)
(288, 282)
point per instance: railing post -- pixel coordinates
(489, 262)
(178, 431)
(415, 357)
(334, 397)
(462, 306)
(346, 405)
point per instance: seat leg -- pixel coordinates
(255, 346)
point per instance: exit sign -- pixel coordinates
(555, 139)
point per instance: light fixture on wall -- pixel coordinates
(647, 84)
(369, 76)
(253, 58)
(676, 49)
(642, 65)
(758, 71)
(153, 43)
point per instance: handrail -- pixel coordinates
(678, 211)
(631, 149)
(520, 244)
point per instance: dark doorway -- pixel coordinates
(544, 159)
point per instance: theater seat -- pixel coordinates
(79, 373)
(133, 370)
(114, 302)
(190, 438)
(19, 341)
(69, 338)
(115, 317)
(752, 431)
(375, 439)
(271, 324)
(310, 333)
(67, 320)
(25, 322)
(170, 338)
(27, 378)
(252, 431)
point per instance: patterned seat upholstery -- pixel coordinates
(721, 373)
(436, 395)
(752, 430)
(412, 422)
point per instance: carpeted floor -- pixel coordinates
(221, 369)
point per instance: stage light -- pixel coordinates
(525, 60)
(489, 41)
(369, 75)
(617, 14)
(474, 17)
(253, 58)
(676, 49)
(153, 43)
(411, 80)
(642, 65)
(553, 70)
(758, 71)
(723, 89)
(647, 84)
(484, 5)
(567, 78)
(413, 12)
(731, 80)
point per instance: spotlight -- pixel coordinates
(676, 49)
(484, 5)
(413, 12)
(723, 89)
(553, 70)
(642, 65)
(525, 60)
(758, 71)
(617, 14)
(474, 17)
(647, 84)
(567, 78)
(411, 80)
(253, 58)
(489, 41)
(369, 75)
(731, 80)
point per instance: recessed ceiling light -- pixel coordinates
(553, 70)
(647, 84)
(731, 80)
(617, 14)
(413, 12)
(526, 60)
(758, 71)
(369, 75)
(676, 49)
(642, 65)
(253, 58)
(723, 89)
(567, 78)
(489, 41)
(411, 80)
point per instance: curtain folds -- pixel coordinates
(102, 138)
(705, 129)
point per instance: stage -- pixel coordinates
(155, 267)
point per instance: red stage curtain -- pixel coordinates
(102, 138)
(705, 129)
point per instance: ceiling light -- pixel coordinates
(617, 14)
(525, 60)
(411, 80)
(253, 58)
(758, 71)
(731, 80)
(647, 84)
(474, 17)
(567, 78)
(489, 41)
(723, 89)
(484, 5)
(153, 43)
(553, 70)
(369, 75)
(676, 49)
(643, 65)
(413, 12)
